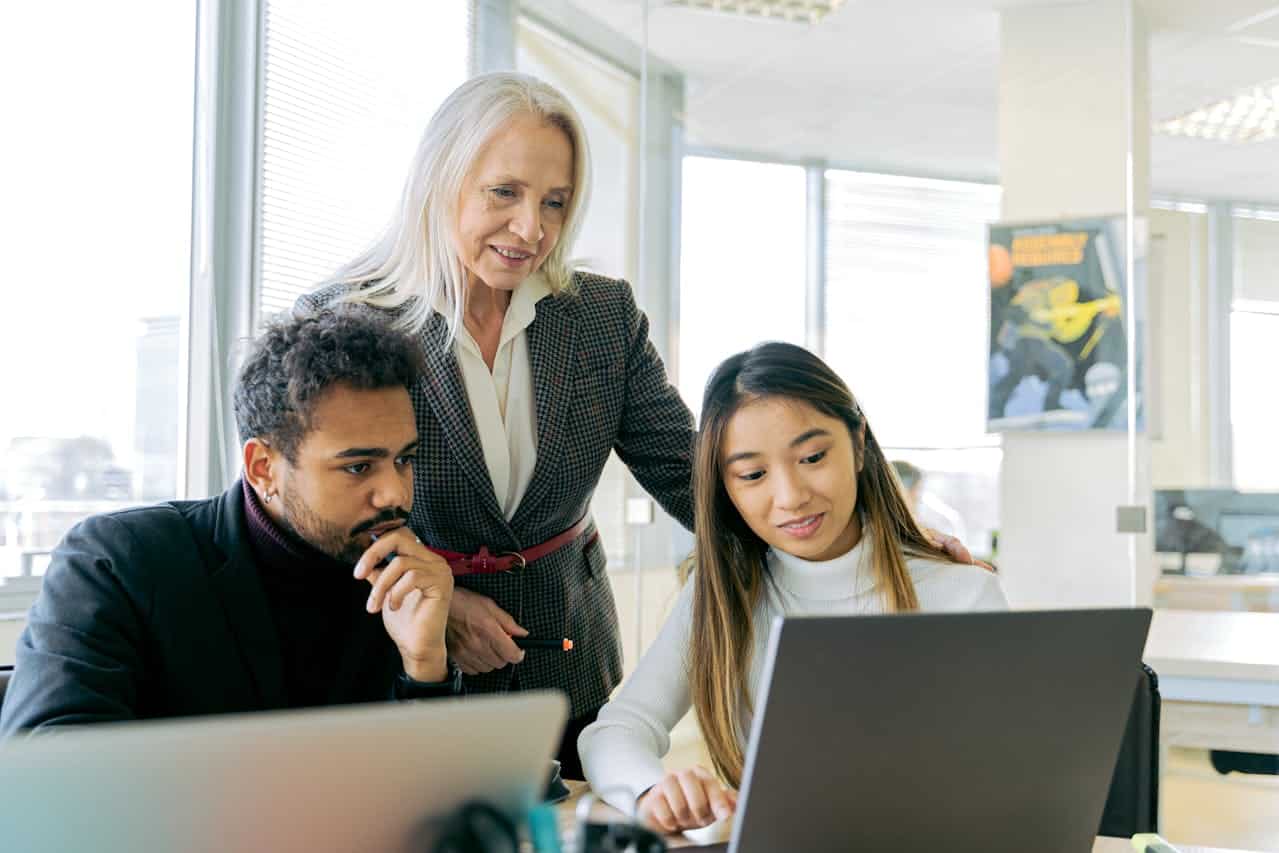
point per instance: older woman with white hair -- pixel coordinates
(535, 373)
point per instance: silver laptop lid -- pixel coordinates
(370, 777)
(927, 732)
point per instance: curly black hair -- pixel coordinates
(298, 358)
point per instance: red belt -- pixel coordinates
(484, 563)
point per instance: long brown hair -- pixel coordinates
(731, 575)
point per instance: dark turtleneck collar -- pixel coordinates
(281, 554)
(315, 602)
(320, 620)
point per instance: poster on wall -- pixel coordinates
(1058, 325)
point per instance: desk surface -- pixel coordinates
(567, 810)
(1122, 845)
(1207, 644)
(1230, 583)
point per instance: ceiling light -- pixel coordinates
(1250, 116)
(797, 11)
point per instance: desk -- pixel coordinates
(1218, 677)
(1218, 592)
(567, 814)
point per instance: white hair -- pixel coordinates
(414, 263)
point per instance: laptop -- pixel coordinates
(369, 777)
(938, 732)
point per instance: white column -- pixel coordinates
(1073, 121)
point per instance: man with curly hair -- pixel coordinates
(299, 586)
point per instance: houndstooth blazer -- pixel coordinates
(599, 385)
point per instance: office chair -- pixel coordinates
(1132, 806)
(1227, 761)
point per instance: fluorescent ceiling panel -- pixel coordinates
(1250, 116)
(798, 11)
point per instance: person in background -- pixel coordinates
(931, 511)
(299, 586)
(1182, 532)
(797, 512)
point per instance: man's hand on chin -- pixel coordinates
(412, 591)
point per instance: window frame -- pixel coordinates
(224, 229)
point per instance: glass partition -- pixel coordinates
(826, 174)
(837, 171)
(1215, 132)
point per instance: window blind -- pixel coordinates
(347, 91)
(906, 303)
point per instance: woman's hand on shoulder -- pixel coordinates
(954, 548)
(687, 799)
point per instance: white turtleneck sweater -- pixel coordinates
(622, 750)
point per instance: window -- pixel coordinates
(348, 90)
(1254, 350)
(743, 263)
(607, 99)
(906, 303)
(906, 327)
(96, 168)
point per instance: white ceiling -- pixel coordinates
(913, 87)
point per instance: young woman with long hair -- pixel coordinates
(797, 511)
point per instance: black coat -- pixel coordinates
(159, 611)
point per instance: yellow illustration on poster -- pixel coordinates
(1058, 325)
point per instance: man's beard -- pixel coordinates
(305, 524)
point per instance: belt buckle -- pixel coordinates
(515, 555)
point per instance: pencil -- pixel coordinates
(543, 643)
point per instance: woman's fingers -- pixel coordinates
(687, 799)
(722, 801)
(656, 812)
(471, 624)
(696, 790)
(465, 662)
(954, 548)
(674, 792)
